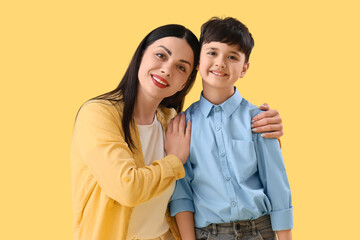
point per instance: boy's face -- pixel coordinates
(221, 65)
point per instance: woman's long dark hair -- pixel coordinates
(127, 89)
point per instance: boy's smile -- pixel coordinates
(218, 73)
(221, 65)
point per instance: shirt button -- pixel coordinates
(217, 109)
(228, 178)
(217, 128)
(233, 204)
(222, 154)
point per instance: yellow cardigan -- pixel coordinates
(108, 180)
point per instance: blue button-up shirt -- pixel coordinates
(232, 174)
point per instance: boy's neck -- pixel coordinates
(217, 95)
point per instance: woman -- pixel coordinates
(122, 178)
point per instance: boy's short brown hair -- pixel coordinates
(230, 31)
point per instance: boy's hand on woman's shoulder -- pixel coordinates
(269, 123)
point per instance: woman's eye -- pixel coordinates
(182, 68)
(160, 55)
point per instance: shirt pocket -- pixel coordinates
(243, 159)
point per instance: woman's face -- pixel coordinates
(165, 68)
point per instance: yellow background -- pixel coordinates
(54, 55)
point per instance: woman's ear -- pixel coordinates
(182, 87)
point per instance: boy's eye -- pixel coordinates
(233, 58)
(211, 53)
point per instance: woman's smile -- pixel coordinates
(159, 81)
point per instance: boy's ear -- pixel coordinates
(244, 70)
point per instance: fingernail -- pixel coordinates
(261, 106)
(252, 121)
(254, 129)
(252, 125)
(263, 135)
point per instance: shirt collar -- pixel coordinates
(229, 106)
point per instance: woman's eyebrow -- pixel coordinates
(184, 61)
(169, 52)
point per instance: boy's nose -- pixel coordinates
(220, 64)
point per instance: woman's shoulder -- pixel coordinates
(165, 114)
(96, 107)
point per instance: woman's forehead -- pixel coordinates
(176, 47)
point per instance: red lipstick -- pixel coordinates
(159, 81)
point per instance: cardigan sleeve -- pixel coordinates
(99, 142)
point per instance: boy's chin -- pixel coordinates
(218, 84)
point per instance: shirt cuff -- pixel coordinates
(181, 205)
(282, 219)
(177, 166)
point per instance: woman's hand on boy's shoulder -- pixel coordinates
(269, 123)
(177, 138)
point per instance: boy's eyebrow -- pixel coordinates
(169, 52)
(212, 48)
(236, 53)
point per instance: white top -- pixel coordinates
(148, 219)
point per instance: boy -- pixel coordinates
(235, 185)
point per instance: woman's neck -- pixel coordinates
(145, 109)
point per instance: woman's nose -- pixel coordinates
(166, 69)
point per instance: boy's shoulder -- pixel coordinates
(193, 108)
(251, 108)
